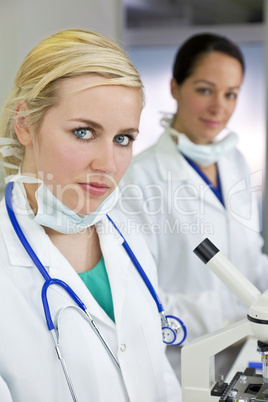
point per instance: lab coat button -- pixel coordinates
(123, 347)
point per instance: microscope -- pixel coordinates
(198, 370)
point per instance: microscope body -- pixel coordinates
(198, 370)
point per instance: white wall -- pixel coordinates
(168, 36)
(23, 23)
(8, 46)
(265, 199)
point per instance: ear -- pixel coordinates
(174, 88)
(21, 124)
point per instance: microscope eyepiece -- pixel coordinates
(205, 251)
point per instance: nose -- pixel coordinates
(104, 158)
(217, 103)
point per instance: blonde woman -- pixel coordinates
(78, 321)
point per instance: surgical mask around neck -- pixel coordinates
(204, 155)
(54, 214)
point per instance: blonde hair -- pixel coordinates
(68, 53)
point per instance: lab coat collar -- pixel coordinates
(169, 159)
(33, 232)
(230, 173)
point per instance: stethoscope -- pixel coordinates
(173, 329)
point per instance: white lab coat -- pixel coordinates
(2, 182)
(175, 211)
(29, 368)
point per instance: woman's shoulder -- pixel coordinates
(164, 144)
(236, 158)
(145, 156)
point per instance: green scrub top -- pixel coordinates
(97, 282)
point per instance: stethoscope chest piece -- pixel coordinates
(173, 331)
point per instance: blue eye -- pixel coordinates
(83, 133)
(123, 140)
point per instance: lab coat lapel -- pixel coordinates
(205, 194)
(117, 263)
(234, 184)
(169, 159)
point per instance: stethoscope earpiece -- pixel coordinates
(174, 331)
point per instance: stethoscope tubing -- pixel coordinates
(139, 268)
(53, 281)
(48, 280)
(164, 319)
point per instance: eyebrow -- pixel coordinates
(212, 84)
(87, 122)
(100, 127)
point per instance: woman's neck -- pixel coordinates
(82, 250)
(211, 173)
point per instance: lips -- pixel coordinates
(211, 123)
(95, 189)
